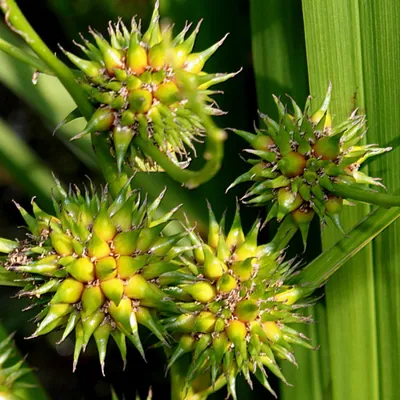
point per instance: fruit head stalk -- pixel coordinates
(301, 161)
(133, 80)
(92, 268)
(239, 308)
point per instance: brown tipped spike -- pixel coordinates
(196, 61)
(53, 318)
(181, 35)
(153, 34)
(73, 115)
(91, 69)
(101, 336)
(78, 345)
(156, 203)
(120, 341)
(29, 220)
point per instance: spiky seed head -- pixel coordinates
(93, 267)
(241, 308)
(299, 157)
(134, 82)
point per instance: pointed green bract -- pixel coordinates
(307, 162)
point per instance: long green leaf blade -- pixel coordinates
(322, 268)
(280, 64)
(342, 47)
(380, 32)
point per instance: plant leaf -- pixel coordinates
(342, 47)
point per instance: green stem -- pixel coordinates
(26, 58)
(365, 195)
(17, 22)
(191, 179)
(283, 236)
(177, 375)
(107, 164)
(323, 267)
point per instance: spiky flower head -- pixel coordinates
(10, 372)
(239, 308)
(300, 160)
(133, 81)
(92, 267)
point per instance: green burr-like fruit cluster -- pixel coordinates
(299, 159)
(10, 372)
(93, 268)
(132, 80)
(239, 310)
(101, 268)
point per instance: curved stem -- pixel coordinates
(26, 58)
(323, 267)
(18, 23)
(365, 195)
(191, 179)
(283, 236)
